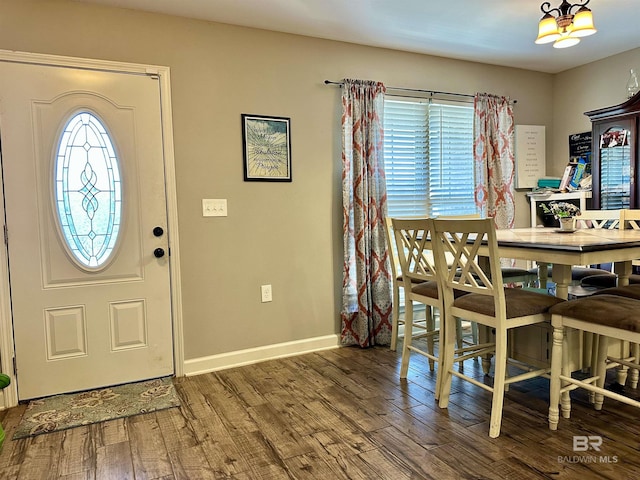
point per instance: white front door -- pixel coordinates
(86, 214)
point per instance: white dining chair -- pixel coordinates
(487, 302)
(630, 218)
(603, 315)
(397, 283)
(627, 219)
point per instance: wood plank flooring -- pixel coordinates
(337, 414)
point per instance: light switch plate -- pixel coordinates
(266, 294)
(214, 207)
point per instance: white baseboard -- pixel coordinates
(212, 363)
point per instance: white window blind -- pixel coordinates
(615, 177)
(428, 155)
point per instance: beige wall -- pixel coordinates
(596, 85)
(285, 234)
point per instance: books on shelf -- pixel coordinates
(567, 176)
(574, 172)
(578, 173)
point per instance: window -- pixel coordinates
(88, 192)
(428, 157)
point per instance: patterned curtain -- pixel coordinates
(366, 287)
(493, 151)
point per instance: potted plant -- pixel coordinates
(564, 212)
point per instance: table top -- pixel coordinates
(581, 240)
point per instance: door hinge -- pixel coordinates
(15, 367)
(6, 235)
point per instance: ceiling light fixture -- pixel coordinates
(566, 28)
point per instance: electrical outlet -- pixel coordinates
(214, 207)
(266, 293)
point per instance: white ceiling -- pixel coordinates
(499, 32)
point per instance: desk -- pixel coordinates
(564, 250)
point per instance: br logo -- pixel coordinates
(582, 443)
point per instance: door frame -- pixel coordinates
(9, 396)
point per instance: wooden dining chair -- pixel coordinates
(416, 275)
(421, 286)
(626, 351)
(511, 275)
(397, 283)
(630, 218)
(627, 219)
(412, 239)
(487, 302)
(602, 315)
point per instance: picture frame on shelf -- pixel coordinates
(266, 148)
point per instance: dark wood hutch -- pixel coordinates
(615, 157)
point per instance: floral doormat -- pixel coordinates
(72, 410)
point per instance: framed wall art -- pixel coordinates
(266, 148)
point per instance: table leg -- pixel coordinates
(543, 274)
(623, 270)
(562, 279)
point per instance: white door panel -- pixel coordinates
(77, 328)
(58, 269)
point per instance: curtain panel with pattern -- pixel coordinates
(494, 158)
(366, 289)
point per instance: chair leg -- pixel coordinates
(408, 314)
(587, 342)
(485, 334)
(448, 346)
(500, 373)
(554, 383)
(633, 379)
(565, 397)
(622, 370)
(459, 339)
(395, 317)
(430, 328)
(474, 335)
(595, 341)
(601, 371)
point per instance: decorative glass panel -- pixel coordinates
(88, 190)
(615, 169)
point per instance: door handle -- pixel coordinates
(158, 231)
(158, 252)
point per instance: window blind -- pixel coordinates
(615, 174)
(428, 152)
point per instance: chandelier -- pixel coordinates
(566, 28)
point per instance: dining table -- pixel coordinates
(566, 249)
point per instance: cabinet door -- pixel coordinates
(614, 169)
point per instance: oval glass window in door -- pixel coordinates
(88, 190)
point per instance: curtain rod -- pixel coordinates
(417, 90)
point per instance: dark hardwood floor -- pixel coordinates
(337, 414)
